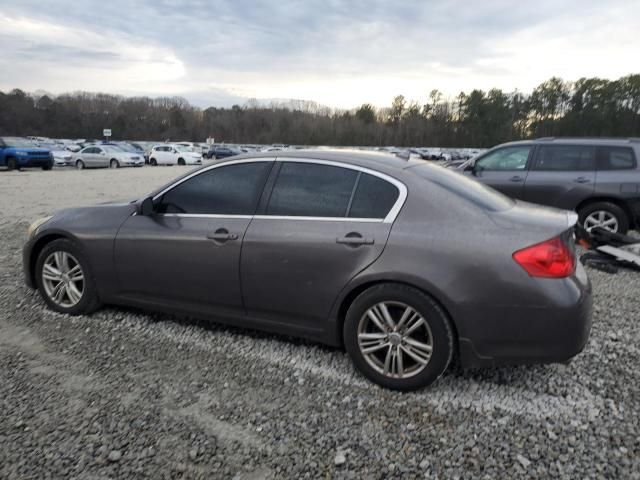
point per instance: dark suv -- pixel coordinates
(598, 178)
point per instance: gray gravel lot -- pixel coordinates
(127, 394)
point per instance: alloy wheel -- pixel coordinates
(603, 219)
(63, 279)
(395, 339)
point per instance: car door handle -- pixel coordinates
(516, 178)
(354, 240)
(222, 235)
(582, 180)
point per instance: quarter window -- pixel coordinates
(507, 159)
(229, 190)
(312, 190)
(565, 158)
(373, 198)
(616, 158)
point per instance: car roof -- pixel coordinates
(374, 160)
(574, 141)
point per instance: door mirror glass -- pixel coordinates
(146, 207)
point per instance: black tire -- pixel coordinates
(12, 164)
(80, 165)
(611, 208)
(89, 302)
(181, 162)
(153, 162)
(113, 163)
(48, 166)
(438, 323)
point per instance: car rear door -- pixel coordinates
(505, 169)
(318, 226)
(187, 254)
(561, 175)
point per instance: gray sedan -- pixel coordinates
(353, 249)
(106, 156)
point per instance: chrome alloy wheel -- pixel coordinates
(603, 219)
(395, 340)
(63, 279)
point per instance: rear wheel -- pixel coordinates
(114, 163)
(48, 166)
(64, 278)
(80, 165)
(398, 337)
(605, 215)
(181, 162)
(12, 164)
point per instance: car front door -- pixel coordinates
(561, 176)
(99, 158)
(187, 253)
(319, 226)
(504, 169)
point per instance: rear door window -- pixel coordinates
(616, 158)
(565, 158)
(311, 190)
(374, 197)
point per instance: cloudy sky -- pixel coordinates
(340, 53)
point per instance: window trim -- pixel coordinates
(391, 215)
(390, 218)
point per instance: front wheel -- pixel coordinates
(605, 215)
(398, 337)
(80, 165)
(181, 162)
(153, 162)
(64, 278)
(114, 163)
(48, 166)
(12, 164)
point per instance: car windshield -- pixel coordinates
(18, 142)
(475, 192)
(182, 148)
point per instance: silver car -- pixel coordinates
(106, 156)
(403, 264)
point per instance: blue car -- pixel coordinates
(17, 153)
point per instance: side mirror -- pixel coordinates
(146, 207)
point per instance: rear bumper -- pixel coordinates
(518, 335)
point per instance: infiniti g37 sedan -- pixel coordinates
(404, 264)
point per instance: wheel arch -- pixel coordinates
(615, 200)
(348, 298)
(37, 247)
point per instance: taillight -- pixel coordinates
(551, 259)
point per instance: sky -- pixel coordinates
(339, 53)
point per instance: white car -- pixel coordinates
(61, 157)
(174, 154)
(106, 156)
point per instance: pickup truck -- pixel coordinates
(17, 153)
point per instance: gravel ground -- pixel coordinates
(126, 394)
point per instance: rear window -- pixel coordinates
(475, 192)
(616, 158)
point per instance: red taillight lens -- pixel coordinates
(550, 259)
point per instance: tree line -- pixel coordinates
(586, 107)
